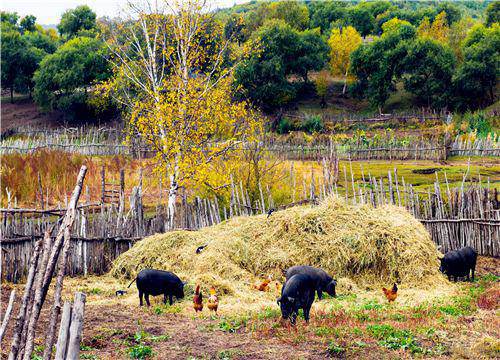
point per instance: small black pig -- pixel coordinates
(323, 281)
(157, 282)
(459, 263)
(297, 293)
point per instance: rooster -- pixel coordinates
(213, 300)
(392, 294)
(263, 286)
(198, 299)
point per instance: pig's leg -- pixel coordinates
(293, 317)
(146, 296)
(473, 271)
(170, 300)
(140, 298)
(165, 298)
(320, 294)
(306, 313)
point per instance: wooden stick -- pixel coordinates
(7, 315)
(62, 340)
(75, 330)
(56, 307)
(41, 292)
(16, 338)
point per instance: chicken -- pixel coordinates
(213, 300)
(198, 299)
(263, 286)
(392, 294)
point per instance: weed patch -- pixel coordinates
(394, 339)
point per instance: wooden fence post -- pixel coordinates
(62, 340)
(75, 330)
(103, 185)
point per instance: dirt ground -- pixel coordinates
(350, 326)
(25, 113)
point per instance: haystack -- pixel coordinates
(366, 246)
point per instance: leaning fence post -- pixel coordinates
(8, 313)
(76, 327)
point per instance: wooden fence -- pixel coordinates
(105, 141)
(455, 217)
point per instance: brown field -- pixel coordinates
(58, 170)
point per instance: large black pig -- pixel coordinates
(157, 282)
(458, 263)
(297, 293)
(323, 281)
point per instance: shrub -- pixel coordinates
(284, 126)
(477, 122)
(140, 351)
(313, 124)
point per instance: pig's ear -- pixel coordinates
(278, 300)
(291, 299)
(334, 282)
(184, 283)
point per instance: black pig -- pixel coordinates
(323, 281)
(157, 282)
(459, 263)
(297, 293)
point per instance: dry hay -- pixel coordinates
(362, 246)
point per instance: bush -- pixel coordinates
(285, 125)
(313, 124)
(477, 122)
(140, 351)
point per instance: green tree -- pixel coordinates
(283, 51)
(428, 69)
(28, 23)
(11, 56)
(393, 25)
(377, 66)
(311, 54)
(492, 13)
(9, 17)
(453, 13)
(30, 59)
(323, 13)
(64, 77)
(41, 41)
(292, 12)
(457, 35)
(361, 19)
(476, 78)
(75, 21)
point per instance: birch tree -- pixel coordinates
(173, 75)
(342, 43)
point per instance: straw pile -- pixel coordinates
(364, 246)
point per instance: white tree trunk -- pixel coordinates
(345, 82)
(172, 196)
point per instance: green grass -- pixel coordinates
(393, 338)
(334, 349)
